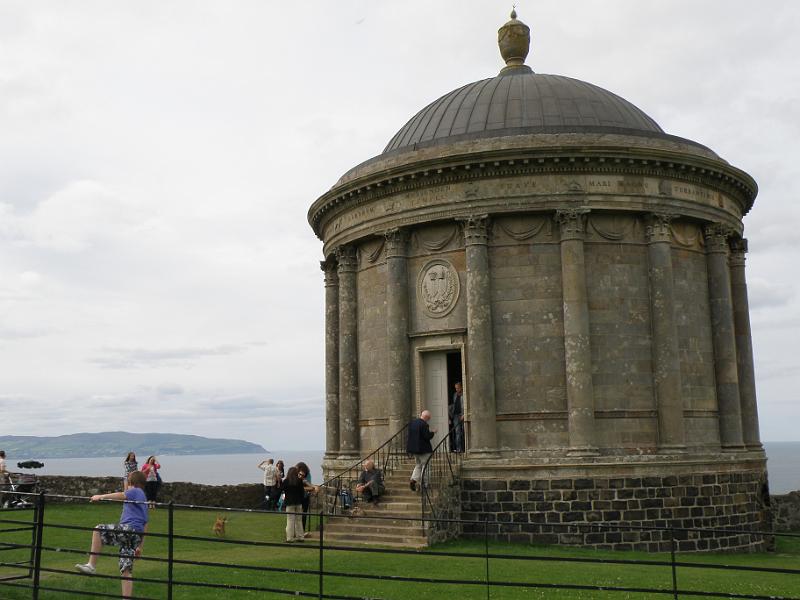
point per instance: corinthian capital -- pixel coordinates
(572, 222)
(657, 227)
(716, 235)
(396, 242)
(476, 230)
(346, 257)
(329, 267)
(738, 251)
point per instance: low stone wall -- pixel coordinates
(786, 512)
(247, 495)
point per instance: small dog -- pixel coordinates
(219, 526)
(357, 511)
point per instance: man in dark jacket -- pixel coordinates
(419, 444)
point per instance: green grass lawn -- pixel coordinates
(69, 546)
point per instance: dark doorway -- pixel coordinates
(454, 375)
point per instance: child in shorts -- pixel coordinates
(128, 534)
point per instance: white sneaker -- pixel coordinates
(87, 569)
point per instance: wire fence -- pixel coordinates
(27, 525)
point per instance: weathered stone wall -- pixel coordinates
(372, 349)
(786, 512)
(233, 496)
(692, 312)
(528, 327)
(560, 511)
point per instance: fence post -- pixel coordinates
(672, 561)
(486, 550)
(170, 546)
(321, 541)
(37, 559)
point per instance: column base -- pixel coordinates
(672, 449)
(354, 456)
(482, 453)
(734, 448)
(583, 451)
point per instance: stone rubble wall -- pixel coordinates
(786, 512)
(246, 495)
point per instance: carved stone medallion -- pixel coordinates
(438, 288)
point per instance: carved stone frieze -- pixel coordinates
(614, 228)
(438, 288)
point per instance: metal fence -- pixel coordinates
(28, 572)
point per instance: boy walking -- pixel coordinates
(128, 534)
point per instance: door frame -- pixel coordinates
(439, 343)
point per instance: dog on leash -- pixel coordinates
(219, 526)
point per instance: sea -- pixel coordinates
(783, 465)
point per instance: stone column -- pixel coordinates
(722, 331)
(331, 357)
(348, 352)
(480, 350)
(666, 358)
(577, 351)
(397, 329)
(744, 345)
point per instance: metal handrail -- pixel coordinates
(441, 469)
(386, 458)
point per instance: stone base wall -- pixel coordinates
(560, 511)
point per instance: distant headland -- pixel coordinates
(119, 443)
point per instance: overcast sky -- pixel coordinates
(157, 160)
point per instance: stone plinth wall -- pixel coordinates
(233, 496)
(558, 511)
(786, 512)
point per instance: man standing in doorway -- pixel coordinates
(456, 410)
(419, 444)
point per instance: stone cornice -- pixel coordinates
(715, 174)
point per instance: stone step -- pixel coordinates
(392, 520)
(345, 541)
(407, 541)
(390, 531)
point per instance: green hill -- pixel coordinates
(119, 443)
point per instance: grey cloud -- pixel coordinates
(169, 389)
(140, 358)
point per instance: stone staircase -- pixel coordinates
(383, 525)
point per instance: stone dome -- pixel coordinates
(519, 101)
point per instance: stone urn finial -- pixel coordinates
(514, 39)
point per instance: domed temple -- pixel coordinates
(582, 272)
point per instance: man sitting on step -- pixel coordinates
(370, 482)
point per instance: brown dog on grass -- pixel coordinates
(219, 526)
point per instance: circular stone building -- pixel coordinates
(583, 273)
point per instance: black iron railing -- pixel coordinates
(47, 571)
(441, 477)
(387, 457)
